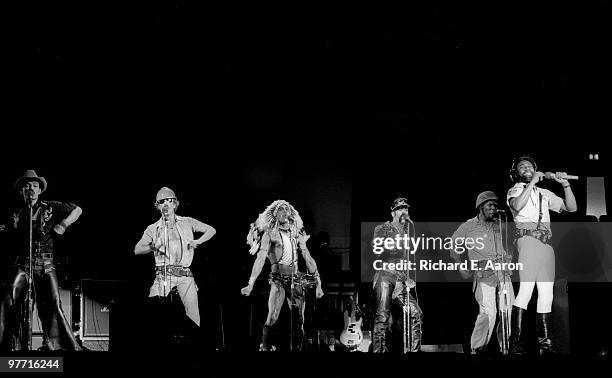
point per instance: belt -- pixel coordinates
(542, 235)
(42, 261)
(39, 258)
(306, 280)
(174, 270)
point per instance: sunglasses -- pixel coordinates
(162, 201)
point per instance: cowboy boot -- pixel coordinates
(544, 331)
(516, 342)
(417, 325)
(379, 344)
(5, 323)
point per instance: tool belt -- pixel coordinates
(542, 235)
(174, 270)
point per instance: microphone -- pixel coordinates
(499, 212)
(404, 218)
(551, 176)
(28, 196)
(164, 213)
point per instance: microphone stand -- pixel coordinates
(292, 301)
(166, 243)
(29, 300)
(407, 310)
(504, 304)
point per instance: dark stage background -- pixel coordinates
(335, 107)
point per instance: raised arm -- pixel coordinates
(517, 203)
(570, 201)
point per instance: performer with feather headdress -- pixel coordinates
(278, 234)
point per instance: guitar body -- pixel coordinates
(352, 336)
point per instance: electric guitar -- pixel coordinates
(351, 335)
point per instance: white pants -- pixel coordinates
(187, 289)
(486, 295)
(538, 261)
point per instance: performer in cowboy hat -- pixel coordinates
(49, 220)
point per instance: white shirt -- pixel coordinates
(527, 218)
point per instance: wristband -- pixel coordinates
(251, 281)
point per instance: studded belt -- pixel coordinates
(306, 280)
(174, 270)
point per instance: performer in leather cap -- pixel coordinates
(530, 206)
(391, 286)
(172, 240)
(278, 234)
(49, 220)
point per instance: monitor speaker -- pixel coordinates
(97, 298)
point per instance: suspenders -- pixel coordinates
(540, 216)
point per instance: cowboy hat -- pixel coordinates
(30, 175)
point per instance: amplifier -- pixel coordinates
(97, 298)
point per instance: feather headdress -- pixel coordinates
(267, 221)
